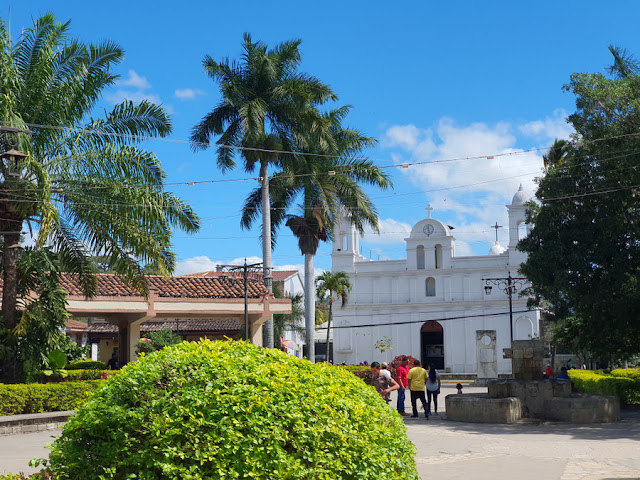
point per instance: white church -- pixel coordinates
(433, 305)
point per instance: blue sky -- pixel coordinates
(431, 81)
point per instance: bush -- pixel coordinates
(86, 365)
(626, 389)
(48, 397)
(154, 341)
(229, 409)
(633, 373)
(73, 375)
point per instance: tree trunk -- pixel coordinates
(266, 247)
(329, 321)
(10, 256)
(310, 306)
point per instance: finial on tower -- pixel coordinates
(429, 209)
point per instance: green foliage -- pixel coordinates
(74, 375)
(45, 397)
(86, 365)
(154, 341)
(72, 350)
(584, 249)
(626, 389)
(383, 344)
(228, 409)
(57, 359)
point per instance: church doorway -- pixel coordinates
(432, 345)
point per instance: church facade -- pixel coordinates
(434, 305)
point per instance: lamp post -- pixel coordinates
(509, 285)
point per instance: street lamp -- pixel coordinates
(509, 285)
(246, 270)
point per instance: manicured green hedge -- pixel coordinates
(86, 365)
(229, 409)
(45, 397)
(626, 389)
(74, 375)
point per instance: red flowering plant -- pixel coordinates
(397, 361)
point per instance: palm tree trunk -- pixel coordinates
(329, 322)
(10, 256)
(266, 246)
(310, 306)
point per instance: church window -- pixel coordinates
(523, 329)
(438, 253)
(420, 257)
(345, 244)
(431, 287)
(343, 337)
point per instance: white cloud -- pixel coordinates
(188, 93)
(552, 127)
(391, 231)
(134, 80)
(203, 263)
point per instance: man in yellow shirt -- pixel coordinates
(417, 378)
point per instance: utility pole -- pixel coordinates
(246, 270)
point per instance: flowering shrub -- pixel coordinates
(626, 389)
(156, 341)
(229, 409)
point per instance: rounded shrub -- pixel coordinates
(228, 409)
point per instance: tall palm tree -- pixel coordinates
(266, 107)
(333, 284)
(327, 178)
(85, 183)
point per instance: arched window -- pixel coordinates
(431, 287)
(420, 257)
(438, 253)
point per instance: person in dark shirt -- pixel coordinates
(383, 384)
(563, 374)
(113, 363)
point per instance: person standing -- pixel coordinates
(384, 369)
(401, 374)
(384, 385)
(433, 389)
(417, 378)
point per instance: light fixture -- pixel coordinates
(487, 289)
(331, 173)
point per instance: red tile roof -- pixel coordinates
(278, 275)
(175, 287)
(185, 325)
(76, 325)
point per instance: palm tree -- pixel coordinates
(333, 283)
(327, 178)
(265, 109)
(85, 183)
(556, 154)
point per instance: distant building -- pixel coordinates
(432, 304)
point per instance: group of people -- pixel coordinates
(416, 379)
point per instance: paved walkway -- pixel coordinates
(453, 450)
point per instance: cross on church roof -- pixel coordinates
(496, 226)
(429, 209)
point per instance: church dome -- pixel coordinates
(497, 249)
(521, 197)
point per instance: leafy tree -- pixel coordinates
(584, 249)
(154, 341)
(267, 107)
(330, 284)
(327, 179)
(85, 182)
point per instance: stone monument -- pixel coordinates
(486, 355)
(527, 395)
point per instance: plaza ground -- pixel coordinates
(471, 451)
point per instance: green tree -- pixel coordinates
(330, 284)
(85, 182)
(266, 106)
(584, 249)
(289, 321)
(327, 179)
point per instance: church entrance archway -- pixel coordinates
(432, 345)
